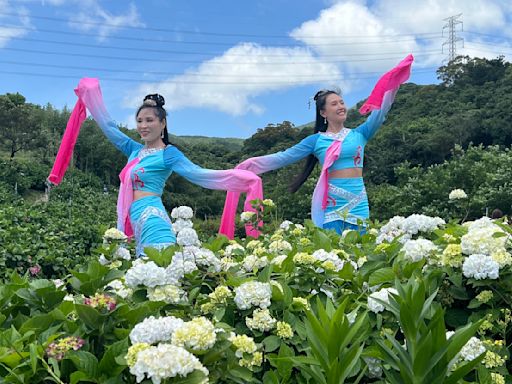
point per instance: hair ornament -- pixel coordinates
(154, 100)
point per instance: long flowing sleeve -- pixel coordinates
(90, 93)
(235, 181)
(378, 116)
(262, 164)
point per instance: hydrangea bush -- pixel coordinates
(415, 300)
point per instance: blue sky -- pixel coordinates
(227, 68)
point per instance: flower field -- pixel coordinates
(416, 300)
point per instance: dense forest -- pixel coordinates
(433, 141)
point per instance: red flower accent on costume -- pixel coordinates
(357, 156)
(137, 182)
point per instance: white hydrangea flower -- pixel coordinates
(278, 260)
(279, 246)
(416, 250)
(247, 216)
(168, 293)
(480, 267)
(421, 223)
(253, 244)
(197, 335)
(252, 262)
(233, 247)
(285, 225)
(483, 222)
(481, 240)
(407, 227)
(114, 234)
(472, 349)
(122, 253)
(374, 367)
(374, 305)
(253, 293)
(187, 237)
(205, 258)
(181, 224)
(103, 260)
(153, 330)
(182, 212)
(148, 274)
(243, 344)
(165, 361)
(121, 290)
(226, 263)
(330, 257)
(457, 194)
(261, 320)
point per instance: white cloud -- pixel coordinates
(357, 38)
(229, 82)
(94, 17)
(349, 37)
(22, 18)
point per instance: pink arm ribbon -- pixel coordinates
(68, 142)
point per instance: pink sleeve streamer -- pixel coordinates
(125, 199)
(320, 194)
(254, 191)
(389, 81)
(67, 145)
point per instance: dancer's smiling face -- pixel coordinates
(149, 126)
(334, 109)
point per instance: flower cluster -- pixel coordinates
(261, 320)
(480, 267)
(58, 349)
(418, 249)
(247, 216)
(164, 361)
(457, 194)
(246, 345)
(182, 212)
(253, 293)
(252, 262)
(284, 330)
(187, 237)
(114, 235)
(196, 335)
(168, 293)
(383, 295)
(452, 256)
(101, 302)
(408, 227)
(147, 274)
(153, 330)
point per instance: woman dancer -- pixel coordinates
(339, 200)
(140, 208)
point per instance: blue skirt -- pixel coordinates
(151, 224)
(347, 205)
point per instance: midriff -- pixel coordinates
(346, 173)
(140, 194)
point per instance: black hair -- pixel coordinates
(320, 126)
(156, 102)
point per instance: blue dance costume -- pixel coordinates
(347, 206)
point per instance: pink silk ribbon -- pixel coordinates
(125, 198)
(67, 145)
